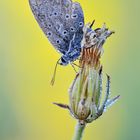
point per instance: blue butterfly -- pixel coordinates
(62, 21)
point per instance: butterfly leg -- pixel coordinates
(73, 67)
(76, 65)
(54, 74)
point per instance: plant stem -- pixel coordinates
(79, 131)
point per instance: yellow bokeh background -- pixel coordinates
(27, 61)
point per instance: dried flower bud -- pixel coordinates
(86, 90)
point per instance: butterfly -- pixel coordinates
(62, 21)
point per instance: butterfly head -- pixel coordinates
(62, 61)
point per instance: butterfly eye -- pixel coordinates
(58, 41)
(72, 29)
(74, 16)
(67, 16)
(49, 25)
(81, 24)
(49, 33)
(55, 14)
(64, 32)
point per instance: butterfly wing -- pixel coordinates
(59, 20)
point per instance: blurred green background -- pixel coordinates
(27, 62)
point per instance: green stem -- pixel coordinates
(79, 131)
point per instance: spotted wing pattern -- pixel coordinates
(60, 20)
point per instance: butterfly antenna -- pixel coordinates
(54, 74)
(92, 23)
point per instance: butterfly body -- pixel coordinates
(62, 21)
